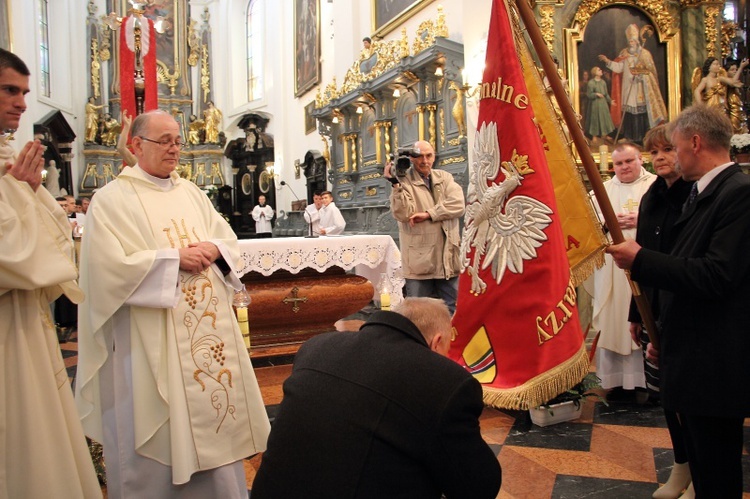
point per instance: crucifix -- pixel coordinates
(294, 299)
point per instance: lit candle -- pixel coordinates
(244, 327)
(385, 301)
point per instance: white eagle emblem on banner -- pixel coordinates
(503, 230)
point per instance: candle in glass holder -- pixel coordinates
(603, 158)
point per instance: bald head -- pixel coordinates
(156, 142)
(423, 163)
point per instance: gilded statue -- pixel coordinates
(734, 100)
(92, 120)
(458, 108)
(212, 117)
(712, 85)
(110, 130)
(196, 130)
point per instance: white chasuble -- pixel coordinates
(196, 402)
(611, 288)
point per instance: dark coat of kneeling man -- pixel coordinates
(380, 413)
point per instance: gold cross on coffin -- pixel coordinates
(294, 299)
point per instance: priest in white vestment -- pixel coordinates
(332, 223)
(262, 214)
(43, 451)
(619, 361)
(164, 379)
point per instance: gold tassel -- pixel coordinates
(542, 388)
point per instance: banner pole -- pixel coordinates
(610, 219)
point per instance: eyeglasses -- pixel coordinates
(165, 143)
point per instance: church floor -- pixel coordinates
(619, 451)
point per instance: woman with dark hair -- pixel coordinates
(660, 208)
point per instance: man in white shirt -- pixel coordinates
(262, 214)
(331, 220)
(312, 214)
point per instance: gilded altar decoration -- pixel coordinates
(656, 9)
(384, 56)
(205, 73)
(194, 43)
(728, 32)
(547, 25)
(96, 68)
(441, 113)
(712, 18)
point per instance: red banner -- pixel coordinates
(516, 324)
(127, 64)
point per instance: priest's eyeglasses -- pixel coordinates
(165, 143)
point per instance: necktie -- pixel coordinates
(691, 197)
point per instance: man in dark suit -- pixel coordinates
(380, 413)
(705, 291)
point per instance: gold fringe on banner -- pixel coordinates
(584, 268)
(542, 388)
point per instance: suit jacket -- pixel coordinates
(377, 414)
(660, 208)
(705, 283)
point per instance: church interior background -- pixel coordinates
(285, 91)
(282, 98)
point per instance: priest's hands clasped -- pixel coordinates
(29, 164)
(197, 257)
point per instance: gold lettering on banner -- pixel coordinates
(548, 327)
(502, 92)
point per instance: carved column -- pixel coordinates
(433, 138)
(420, 111)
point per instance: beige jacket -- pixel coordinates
(430, 249)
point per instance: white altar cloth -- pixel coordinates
(369, 256)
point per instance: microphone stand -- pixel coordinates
(310, 223)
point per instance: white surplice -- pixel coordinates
(262, 216)
(619, 359)
(331, 219)
(43, 451)
(162, 362)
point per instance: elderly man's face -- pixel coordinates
(13, 89)
(154, 158)
(627, 164)
(687, 164)
(423, 163)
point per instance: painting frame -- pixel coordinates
(310, 122)
(665, 45)
(306, 57)
(388, 15)
(6, 36)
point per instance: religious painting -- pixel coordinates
(306, 45)
(619, 66)
(4, 25)
(309, 120)
(387, 15)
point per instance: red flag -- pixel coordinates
(127, 64)
(516, 323)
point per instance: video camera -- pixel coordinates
(403, 161)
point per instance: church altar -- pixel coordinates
(300, 286)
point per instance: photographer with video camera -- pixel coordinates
(427, 204)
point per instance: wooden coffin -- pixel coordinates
(290, 308)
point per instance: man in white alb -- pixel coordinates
(331, 221)
(164, 379)
(619, 360)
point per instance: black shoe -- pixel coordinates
(619, 394)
